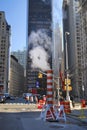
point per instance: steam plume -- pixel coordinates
(39, 43)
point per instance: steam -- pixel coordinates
(39, 58)
(40, 43)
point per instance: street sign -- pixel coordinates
(37, 84)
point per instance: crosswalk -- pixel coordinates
(18, 107)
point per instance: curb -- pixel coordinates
(77, 117)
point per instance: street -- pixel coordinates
(22, 116)
(31, 121)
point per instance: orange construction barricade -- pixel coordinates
(67, 107)
(83, 103)
(41, 104)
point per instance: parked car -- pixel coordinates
(2, 98)
(25, 95)
(7, 95)
(12, 98)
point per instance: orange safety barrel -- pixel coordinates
(83, 103)
(67, 107)
(41, 104)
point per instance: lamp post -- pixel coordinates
(58, 91)
(59, 69)
(67, 73)
(83, 90)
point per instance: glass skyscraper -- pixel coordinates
(39, 43)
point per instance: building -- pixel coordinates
(16, 77)
(71, 22)
(57, 49)
(21, 56)
(39, 43)
(4, 52)
(83, 41)
(74, 22)
(57, 57)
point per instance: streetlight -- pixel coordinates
(83, 90)
(67, 73)
(59, 69)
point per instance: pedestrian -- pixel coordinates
(27, 99)
(36, 99)
(31, 99)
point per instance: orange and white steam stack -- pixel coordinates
(50, 87)
(49, 111)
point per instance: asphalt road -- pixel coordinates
(18, 115)
(21, 119)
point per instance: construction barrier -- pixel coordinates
(55, 113)
(67, 108)
(83, 103)
(41, 103)
(47, 113)
(50, 114)
(61, 113)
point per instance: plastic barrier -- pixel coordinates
(47, 113)
(41, 104)
(66, 104)
(83, 103)
(55, 113)
(61, 113)
(67, 107)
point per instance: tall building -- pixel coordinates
(4, 52)
(39, 43)
(57, 59)
(16, 77)
(71, 22)
(83, 41)
(21, 56)
(74, 22)
(57, 53)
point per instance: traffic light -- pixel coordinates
(69, 88)
(40, 75)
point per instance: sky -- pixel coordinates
(15, 13)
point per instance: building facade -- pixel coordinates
(76, 17)
(16, 77)
(4, 52)
(83, 41)
(71, 24)
(21, 56)
(39, 43)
